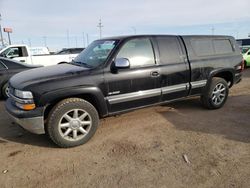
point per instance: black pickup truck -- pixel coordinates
(118, 74)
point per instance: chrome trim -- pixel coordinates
(198, 84)
(133, 96)
(34, 125)
(175, 88)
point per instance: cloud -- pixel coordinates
(53, 18)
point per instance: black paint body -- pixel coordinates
(99, 86)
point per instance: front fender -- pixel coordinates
(57, 95)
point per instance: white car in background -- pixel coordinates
(36, 56)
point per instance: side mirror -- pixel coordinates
(122, 63)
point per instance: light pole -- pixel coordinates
(1, 30)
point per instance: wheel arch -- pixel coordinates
(92, 95)
(226, 74)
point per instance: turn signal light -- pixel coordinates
(29, 106)
(26, 106)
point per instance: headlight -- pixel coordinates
(23, 94)
(24, 100)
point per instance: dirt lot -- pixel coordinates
(143, 148)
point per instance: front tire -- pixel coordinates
(72, 122)
(215, 94)
(5, 91)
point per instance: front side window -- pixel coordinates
(96, 53)
(139, 52)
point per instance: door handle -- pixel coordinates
(22, 61)
(155, 74)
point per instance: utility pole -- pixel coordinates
(100, 26)
(68, 38)
(45, 41)
(29, 42)
(1, 30)
(134, 29)
(83, 39)
(212, 29)
(76, 40)
(87, 36)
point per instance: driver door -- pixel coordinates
(137, 85)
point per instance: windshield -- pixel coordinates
(96, 53)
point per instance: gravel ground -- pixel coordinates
(143, 148)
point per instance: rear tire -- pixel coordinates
(72, 122)
(215, 94)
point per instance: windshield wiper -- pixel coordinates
(78, 63)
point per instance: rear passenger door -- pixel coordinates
(174, 68)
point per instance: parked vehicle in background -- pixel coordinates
(119, 74)
(23, 54)
(244, 49)
(246, 57)
(70, 51)
(9, 68)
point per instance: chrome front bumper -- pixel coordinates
(34, 124)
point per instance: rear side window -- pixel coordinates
(208, 47)
(139, 52)
(222, 46)
(202, 47)
(169, 49)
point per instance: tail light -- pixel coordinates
(242, 65)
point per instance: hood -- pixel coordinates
(43, 74)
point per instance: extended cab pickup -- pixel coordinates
(115, 75)
(36, 56)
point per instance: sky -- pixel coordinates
(63, 23)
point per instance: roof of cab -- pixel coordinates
(138, 36)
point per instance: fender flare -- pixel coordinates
(221, 70)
